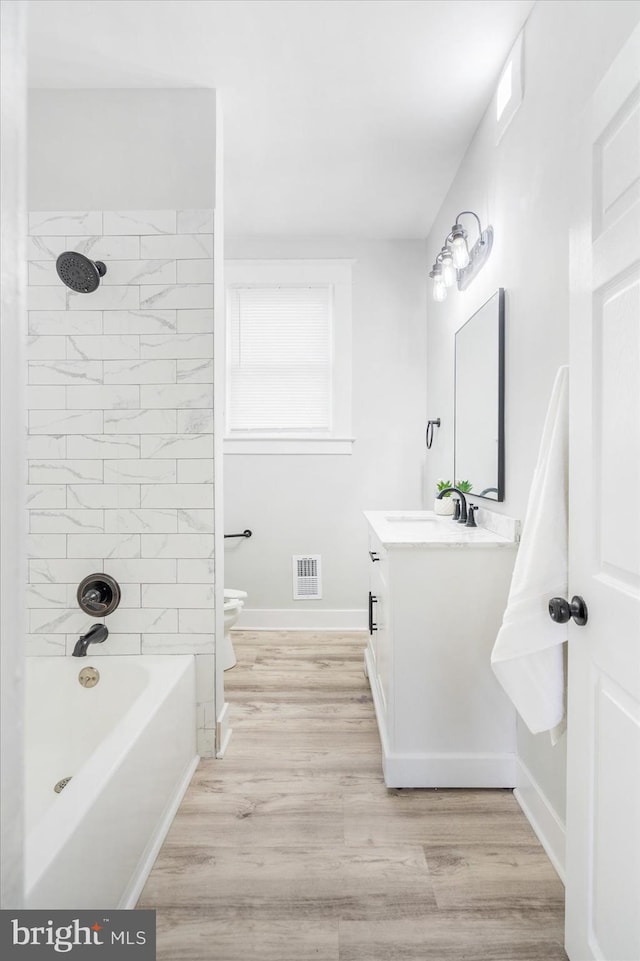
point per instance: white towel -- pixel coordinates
(528, 656)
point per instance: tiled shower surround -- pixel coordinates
(120, 446)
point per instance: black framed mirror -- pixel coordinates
(479, 401)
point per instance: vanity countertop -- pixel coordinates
(412, 529)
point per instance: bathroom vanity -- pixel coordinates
(437, 593)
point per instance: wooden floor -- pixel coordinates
(291, 848)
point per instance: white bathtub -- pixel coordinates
(129, 745)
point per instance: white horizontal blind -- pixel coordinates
(279, 359)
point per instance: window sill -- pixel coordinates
(288, 445)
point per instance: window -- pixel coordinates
(510, 89)
(288, 356)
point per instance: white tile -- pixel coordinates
(65, 421)
(177, 295)
(140, 272)
(64, 322)
(105, 446)
(43, 273)
(57, 621)
(195, 271)
(195, 471)
(205, 678)
(103, 495)
(46, 495)
(147, 571)
(105, 347)
(47, 248)
(103, 397)
(55, 223)
(106, 248)
(194, 372)
(106, 545)
(140, 372)
(141, 521)
(198, 346)
(196, 571)
(46, 348)
(196, 521)
(66, 521)
(129, 593)
(61, 571)
(197, 421)
(139, 222)
(195, 221)
(206, 742)
(66, 472)
(140, 472)
(47, 447)
(115, 644)
(177, 644)
(178, 595)
(177, 495)
(178, 246)
(196, 621)
(176, 395)
(65, 372)
(195, 321)
(177, 445)
(142, 421)
(47, 596)
(38, 645)
(45, 398)
(140, 321)
(46, 545)
(144, 619)
(105, 298)
(47, 298)
(177, 545)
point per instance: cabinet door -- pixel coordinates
(380, 605)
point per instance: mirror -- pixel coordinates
(479, 401)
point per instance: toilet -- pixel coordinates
(233, 604)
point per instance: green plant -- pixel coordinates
(464, 486)
(442, 484)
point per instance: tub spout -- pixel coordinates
(97, 635)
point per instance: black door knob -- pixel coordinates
(560, 610)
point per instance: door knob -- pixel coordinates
(560, 610)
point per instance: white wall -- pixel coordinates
(522, 187)
(313, 503)
(13, 122)
(121, 149)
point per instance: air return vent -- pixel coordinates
(307, 584)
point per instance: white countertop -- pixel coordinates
(410, 529)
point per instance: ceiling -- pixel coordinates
(342, 117)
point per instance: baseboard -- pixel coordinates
(139, 879)
(548, 827)
(290, 619)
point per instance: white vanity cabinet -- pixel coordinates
(437, 592)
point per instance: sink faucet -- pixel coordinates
(463, 502)
(96, 635)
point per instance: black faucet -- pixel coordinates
(463, 502)
(96, 635)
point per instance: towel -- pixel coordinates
(528, 655)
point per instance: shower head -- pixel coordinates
(79, 273)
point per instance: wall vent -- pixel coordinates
(307, 583)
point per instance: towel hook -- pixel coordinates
(429, 435)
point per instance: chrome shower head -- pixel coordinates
(79, 273)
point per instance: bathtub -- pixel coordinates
(129, 746)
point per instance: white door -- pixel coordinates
(603, 804)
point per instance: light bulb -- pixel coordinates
(439, 289)
(448, 270)
(459, 249)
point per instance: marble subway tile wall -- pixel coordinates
(120, 445)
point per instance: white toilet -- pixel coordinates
(233, 604)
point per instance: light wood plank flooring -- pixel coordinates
(291, 848)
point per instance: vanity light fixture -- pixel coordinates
(456, 263)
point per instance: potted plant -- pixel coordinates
(443, 505)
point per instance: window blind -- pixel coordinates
(279, 359)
